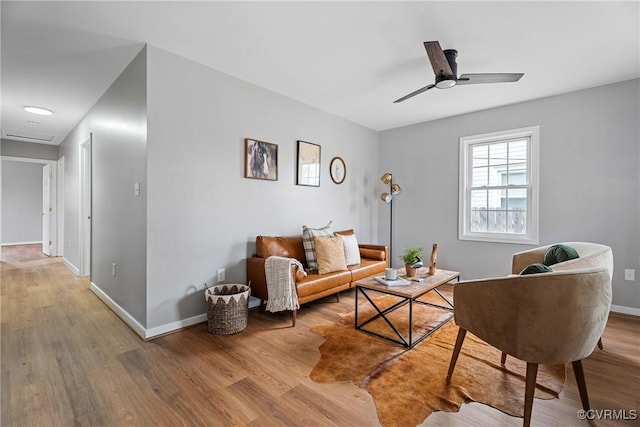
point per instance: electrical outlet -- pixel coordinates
(221, 275)
(113, 269)
(629, 274)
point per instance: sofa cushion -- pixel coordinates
(559, 253)
(316, 283)
(535, 269)
(285, 246)
(308, 234)
(351, 249)
(366, 268)
(330, 254)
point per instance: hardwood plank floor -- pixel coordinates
(66, 359)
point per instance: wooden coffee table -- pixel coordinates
(408, 294)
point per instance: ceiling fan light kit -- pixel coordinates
(445, 69)
(445, 82)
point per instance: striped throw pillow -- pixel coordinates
(308, 234)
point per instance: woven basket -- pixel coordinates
(228, 307)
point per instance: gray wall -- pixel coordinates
(27, 149)
(177, 127)
(589, 180)
(21, 202)
(118, 125)
(202, 213)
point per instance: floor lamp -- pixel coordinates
(394, 190)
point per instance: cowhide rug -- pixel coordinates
(408, 385)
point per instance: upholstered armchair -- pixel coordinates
(547, 318)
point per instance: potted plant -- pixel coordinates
(412, 258)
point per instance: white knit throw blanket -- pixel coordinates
(281, 286)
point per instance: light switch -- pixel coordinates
(629, 274)
(136, 189)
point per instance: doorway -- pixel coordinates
(48, 214)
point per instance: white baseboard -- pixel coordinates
(70, 266)
(174, 326)
(254, 302)
(21, 243)
(119, 311)
(180, 324)
(625, 310)
(143, 332)
(183, 323)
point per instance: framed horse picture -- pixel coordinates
(260, 160)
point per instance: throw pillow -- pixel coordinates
(308, 234)
(330, 253)
(559, 253)
(535, 269)
(351, 248)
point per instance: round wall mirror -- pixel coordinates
(337, 170)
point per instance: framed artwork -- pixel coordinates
(308, 164)
(337, 170)
(260, 160)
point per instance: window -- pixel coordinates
(499, 186)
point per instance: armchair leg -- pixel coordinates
(338, 296)
(293, 318)
(456, 351)
(503, 358)
(529, 391)
(582, 384)
(600, 346)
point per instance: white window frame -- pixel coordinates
(533, 155)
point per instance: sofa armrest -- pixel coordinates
(258, 279)
(376, 252)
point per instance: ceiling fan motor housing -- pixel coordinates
(444, 81)
(451, 55)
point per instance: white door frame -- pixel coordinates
(60, 206)
(85, 206)
(47, 210)
(53, 196)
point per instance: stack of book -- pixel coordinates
(395, 282)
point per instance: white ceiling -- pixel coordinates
(351, 59)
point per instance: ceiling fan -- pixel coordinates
(445, 68)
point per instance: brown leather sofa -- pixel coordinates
(374, 259)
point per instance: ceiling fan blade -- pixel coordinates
(439, 62)
(473, 79)
(414, 93)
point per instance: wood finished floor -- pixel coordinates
(66, 359)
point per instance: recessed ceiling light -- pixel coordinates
(38, 110)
